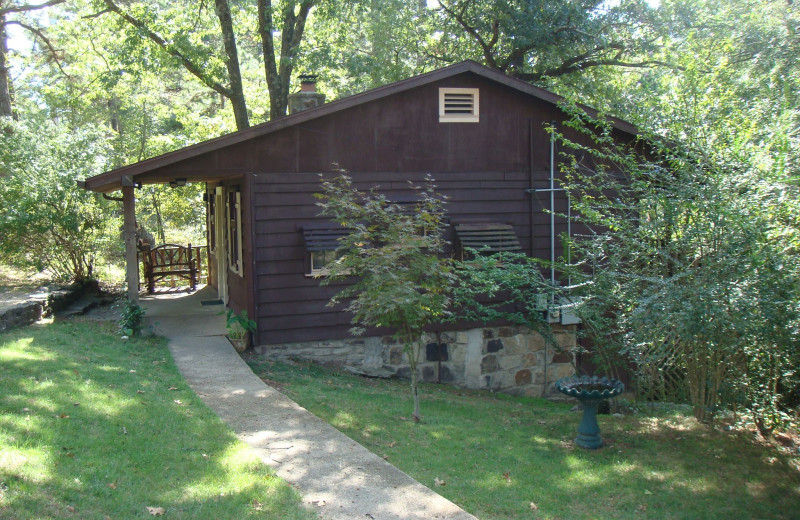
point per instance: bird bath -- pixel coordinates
(590, 391)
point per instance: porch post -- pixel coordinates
(129, 232)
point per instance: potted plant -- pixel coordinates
(239, 328)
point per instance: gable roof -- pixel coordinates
(112, 180)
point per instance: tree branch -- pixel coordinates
(472, 31)
(46, 41)
(172, 51)
(26, 8)
(95, 15)
(583, 65)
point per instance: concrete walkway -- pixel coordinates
(336, 476)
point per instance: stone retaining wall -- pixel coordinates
(508, 359)
(40, 305)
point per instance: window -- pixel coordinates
(235, 230)
(321, 259)
(458, 105)
(487, 237)
(321, 244)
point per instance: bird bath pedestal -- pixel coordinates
(590, 391)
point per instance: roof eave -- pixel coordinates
(111, 180)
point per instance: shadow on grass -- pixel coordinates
(95, 427)
(502, 457)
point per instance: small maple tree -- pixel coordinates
(392, 258)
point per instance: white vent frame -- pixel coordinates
(471, 101)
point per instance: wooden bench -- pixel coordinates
(171, 260)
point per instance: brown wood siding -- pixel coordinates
(484, 168)
(292, 306)
(397, 133)
(240, 288)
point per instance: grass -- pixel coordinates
(508, 458)
(94, 427)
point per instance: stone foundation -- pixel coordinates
(513, 360)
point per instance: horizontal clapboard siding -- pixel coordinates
(294, 307)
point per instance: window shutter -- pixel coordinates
(492, 237)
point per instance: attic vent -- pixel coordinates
(458, 105)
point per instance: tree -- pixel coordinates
(48, 222)
(279, 61)
(355, 45)
(688, 270)
(391, 256)
(8, 8)
(537, 39)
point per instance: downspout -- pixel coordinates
(532, 179)
(552, 221)
(250, 186)
(552, 245)
(552, 190)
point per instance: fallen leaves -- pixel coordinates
(534, 507)
(507, 476)
(156, 511)
(438, 482)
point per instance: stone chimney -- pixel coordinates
(308, 97)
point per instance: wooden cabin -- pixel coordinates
(481, 134)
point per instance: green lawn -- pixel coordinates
(94, 427)
(506, 458)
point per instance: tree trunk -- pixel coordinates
(129, 226)
(279, 74)
(5, 80)
(417, 416)
(412, 352)
(232, 63)
(159, 221)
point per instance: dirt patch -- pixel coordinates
(18, 286)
